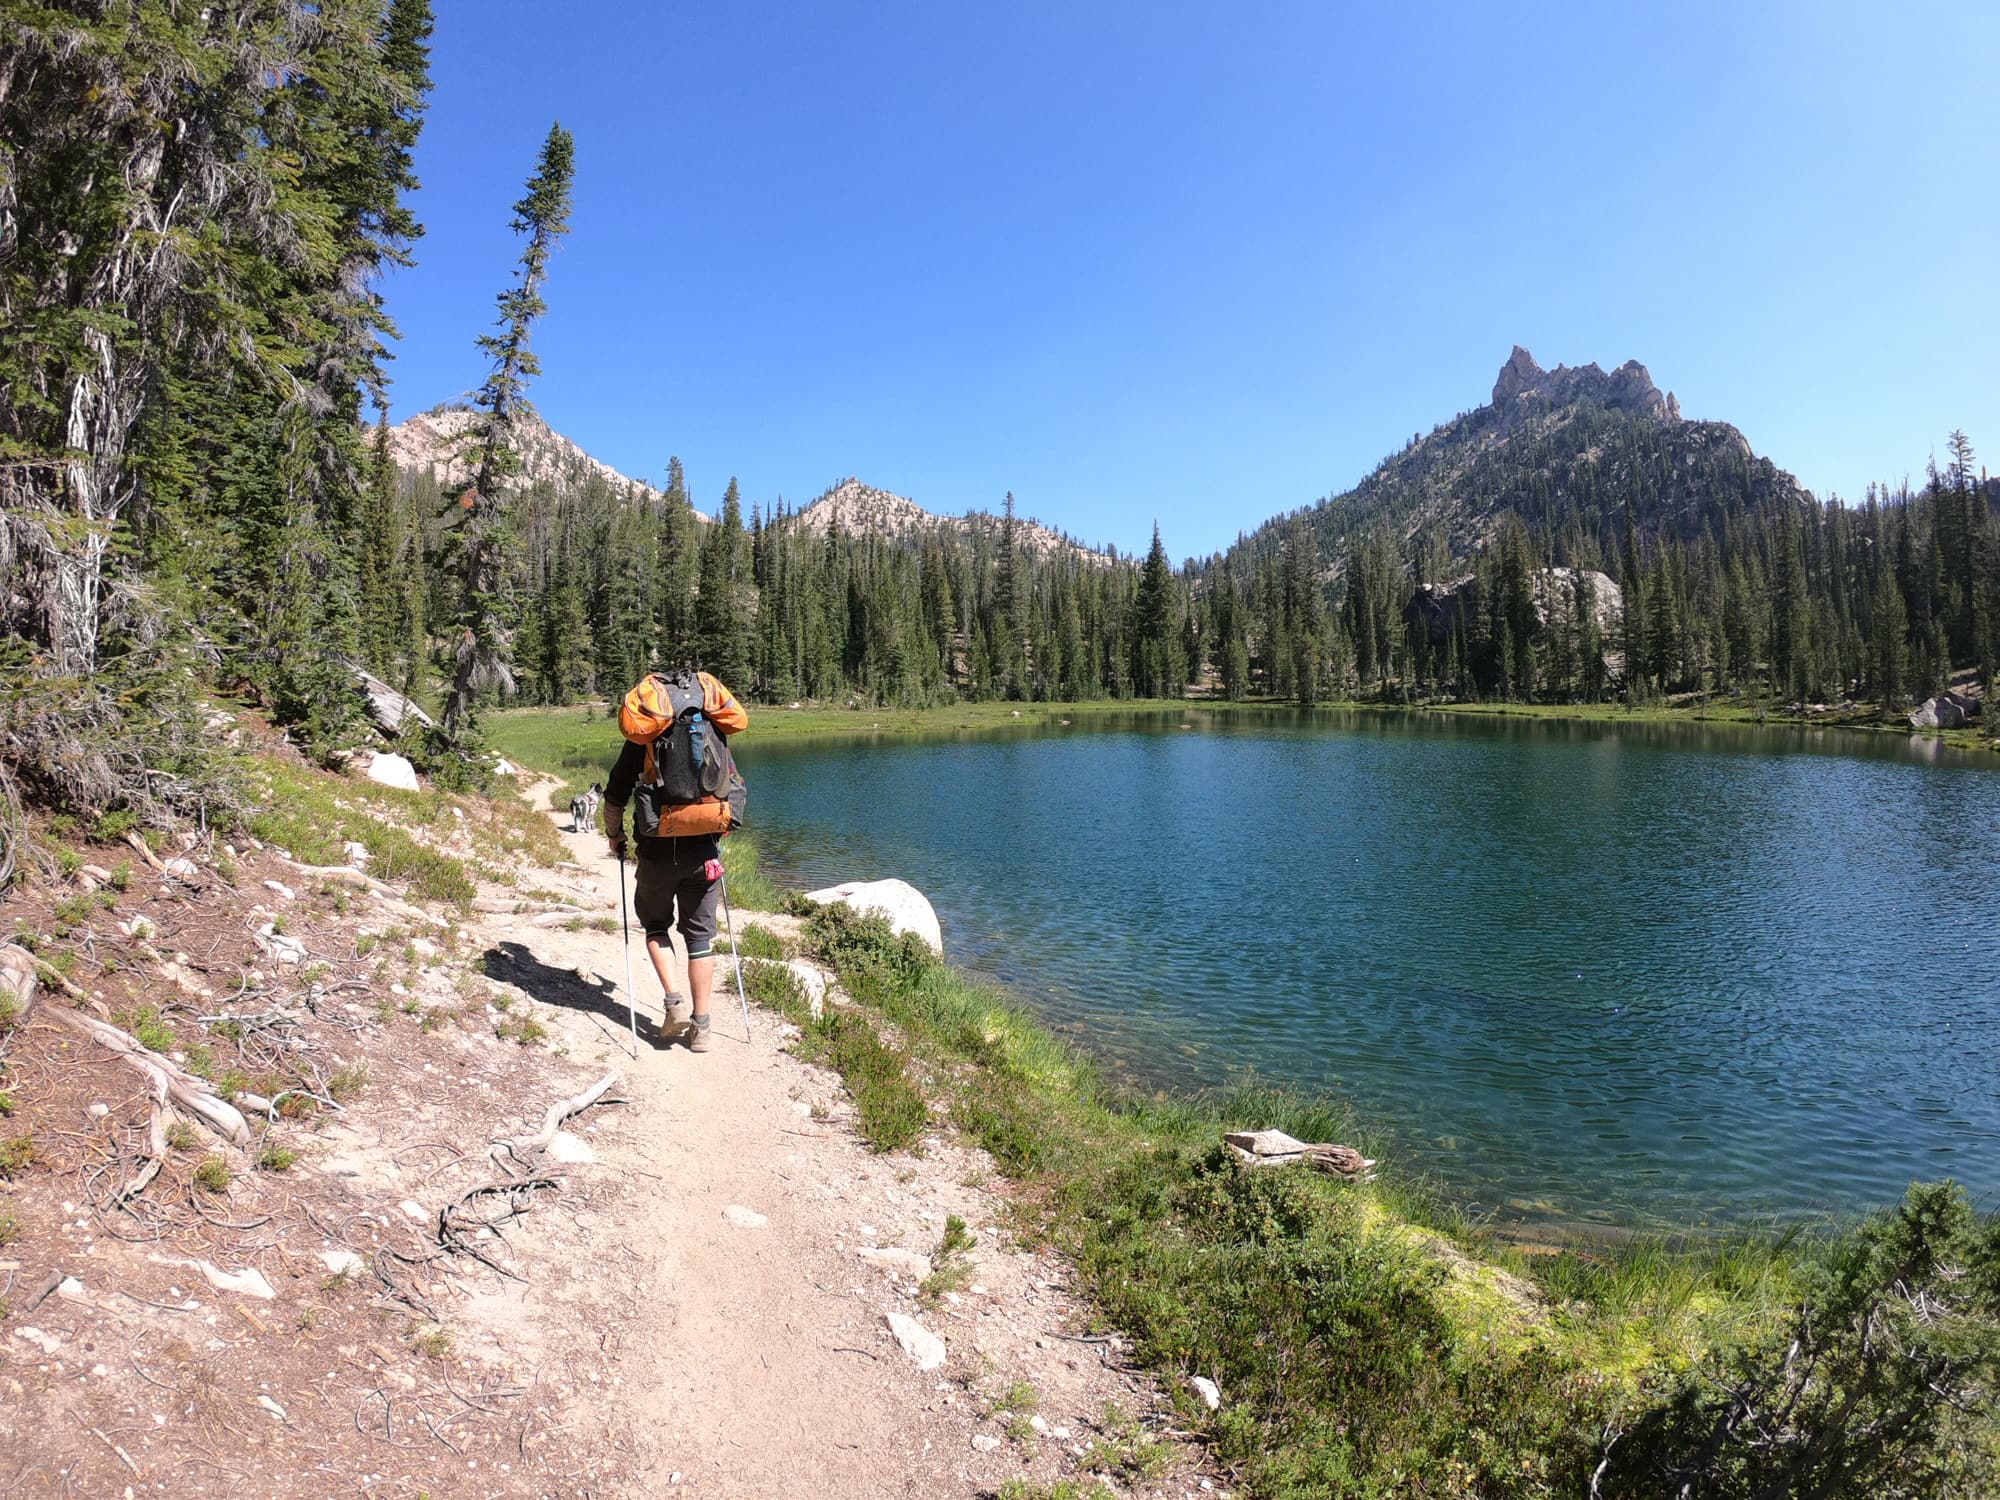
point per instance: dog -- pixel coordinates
(583, 809)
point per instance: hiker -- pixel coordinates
(686, 794)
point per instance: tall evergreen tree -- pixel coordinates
(481, 649)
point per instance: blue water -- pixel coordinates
(1579, 972)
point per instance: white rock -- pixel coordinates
(71, 1290)
(414, 1210)
(1060, 1434)
(99, 1111)
(986, 1442)
(277, 1412)
(357, 854)
(1040, 1423)
(140, 927)
(249, 1281)
(182, 868)
(925, 1347)
(48, 1343)
(1208, 1390)
(283, 891)
(564, 1147)
(342, 1262)
(424, 948)
(394, 771)
(906, 907)
(744, 1218)
(911, 1264)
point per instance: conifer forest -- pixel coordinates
(197, 211)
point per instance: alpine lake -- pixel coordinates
(1585, 976)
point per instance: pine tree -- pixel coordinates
(720, 633)
(480, 650)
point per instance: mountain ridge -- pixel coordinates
(859, 509)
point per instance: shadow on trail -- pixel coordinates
(512, 963)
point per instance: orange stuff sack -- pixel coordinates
(710, 815)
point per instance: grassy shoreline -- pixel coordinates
(1367, 1340)
(536, 736)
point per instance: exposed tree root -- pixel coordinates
(518, 1157)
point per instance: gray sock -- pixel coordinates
(701, 1023)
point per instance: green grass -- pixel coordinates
(760, 942)
(17, 1154)
(951, 1267)
(312, 815)
(277, 1158)
(148, 1029)
(890, 1108)
(212, 1175)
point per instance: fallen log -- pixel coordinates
(499, 906)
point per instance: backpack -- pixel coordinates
(690, 784)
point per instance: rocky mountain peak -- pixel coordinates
(1518, 375)
(438, 440)
(1525, 389)
(862, 510)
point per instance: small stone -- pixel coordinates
(48, 1343)
(1040, 1424)
(571, 1149)
(744, 1218)
(277, 1412)
(99, 1111)
(923, 1346)
(414, 1210)
(1060, 1434)
(907, 1261)
(281, 890)
(341, 1262)
(1208, 1390)
(986, 1442)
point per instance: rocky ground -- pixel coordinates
(702, 1284)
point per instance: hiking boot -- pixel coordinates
(696, 1032)
(679, 1010)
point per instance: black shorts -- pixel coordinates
(670, 875)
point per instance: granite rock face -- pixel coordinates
(1525, 389)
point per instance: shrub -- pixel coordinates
(212, 1175)
(1880, 1384)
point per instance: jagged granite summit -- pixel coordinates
(1525, 389)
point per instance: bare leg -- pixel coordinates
(701, 975)
(662, 955)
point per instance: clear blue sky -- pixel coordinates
(1206, 263)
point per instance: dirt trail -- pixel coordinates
(756, 1357)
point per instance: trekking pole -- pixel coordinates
(729, 926)
(631, 1005)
